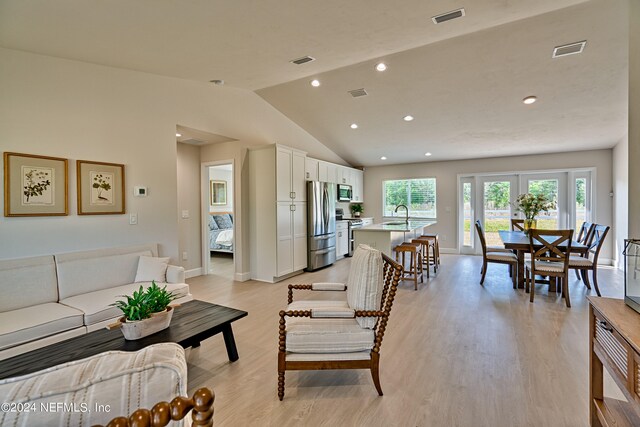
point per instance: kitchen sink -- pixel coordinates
(396, 223)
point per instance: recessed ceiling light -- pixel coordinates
(178, 135)
(407, 118)
(315, 82)
(383, 158)
(381, 66)
(427, 154)
(354, 126)
(530, 100)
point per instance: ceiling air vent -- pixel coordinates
(356, 93)
(439, 19)
(302, 60)
(569, 49)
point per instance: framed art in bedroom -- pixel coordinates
(35, 185)
(218, 192)
(100, 188)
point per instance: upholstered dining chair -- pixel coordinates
(343, 334)
(495, 255)
(588, 262)
(550, 251)
(584, 237)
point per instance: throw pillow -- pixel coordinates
(224, 221)
(365, 283)
(152, 268)
(213, 225)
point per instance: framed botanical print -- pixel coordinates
(218, 192)
(100, 188)
(35, 185)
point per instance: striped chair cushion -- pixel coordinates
(576, 261)
(501, 256)
(550, 267)
(365, 283)
(307, 335)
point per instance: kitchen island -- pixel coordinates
(388, 235)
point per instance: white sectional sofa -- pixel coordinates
(51, 298)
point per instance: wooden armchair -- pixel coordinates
(347, 334)
(162, 413)
(583, 263)
(517, 224)
(493, 255)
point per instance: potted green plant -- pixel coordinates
(531, 205)
(145, 311)
(357, 209)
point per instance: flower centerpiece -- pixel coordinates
(146, 311)
(531, 205)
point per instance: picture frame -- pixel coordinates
(217, 192)
(100, 188)
(35, 185)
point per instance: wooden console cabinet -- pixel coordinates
(614, 342)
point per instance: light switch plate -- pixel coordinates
(185, 214)
(133, 219)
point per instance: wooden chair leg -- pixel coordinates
(280, 385)
(513, 277)
(565, 290)
(484, 271)
(375, 371)
(532, 285)
(595, 278)
(577, 273)
(585, 278)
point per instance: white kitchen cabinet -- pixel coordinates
(367, 221)
(342, 239)
(277, 212)
(290, 172)
(357, 183)
(311, 169)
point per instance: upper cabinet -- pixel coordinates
(311, 169)
(357, 184)
(327, 172)
(290, 175)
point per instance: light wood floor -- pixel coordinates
(455, 354)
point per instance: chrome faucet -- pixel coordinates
(406, 218)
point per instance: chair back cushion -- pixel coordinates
(365, 283)
(27, 282)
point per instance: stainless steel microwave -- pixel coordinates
(344, 193)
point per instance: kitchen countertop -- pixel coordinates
(347, 218)
(400, 226)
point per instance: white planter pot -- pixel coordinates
(133, 330)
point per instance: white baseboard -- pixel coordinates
(448, 250)
(242, 277)
(193, 272)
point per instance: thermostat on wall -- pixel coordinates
(140, 191)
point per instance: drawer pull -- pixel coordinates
(605, 326)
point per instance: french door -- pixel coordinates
(554, 186)
(496, 195)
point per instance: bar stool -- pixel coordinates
(415, 261)
(435, 256)
(427, 246)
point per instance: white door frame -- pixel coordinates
(204, 214)
(563, 199)
(479, 210)
(463, 249)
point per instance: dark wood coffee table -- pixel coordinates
(192, 322)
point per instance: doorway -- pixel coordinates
(496, 195)
(218, 219)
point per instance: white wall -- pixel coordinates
(634, 118)
(76, 110)
(446, 183)
(218, 174)
(189, 236)
(620, 227)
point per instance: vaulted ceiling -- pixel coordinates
(463, 80)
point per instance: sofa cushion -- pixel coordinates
(38, 321)
(152, 268)
(365, 283)
(95, 305)
(224, 221)
(88, 271)
(125, 381)
(306, 335)
(26, 282)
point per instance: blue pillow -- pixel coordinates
(212, 223)
(224, 221)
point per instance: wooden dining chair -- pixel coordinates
(517, 224)
(550, 251)
(585, 236)
(499, 257)
(588, 262)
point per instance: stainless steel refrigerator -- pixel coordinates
(321, 224)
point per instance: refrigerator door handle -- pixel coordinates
(321, 252)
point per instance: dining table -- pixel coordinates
(518, 242)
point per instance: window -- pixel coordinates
(419, 195)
